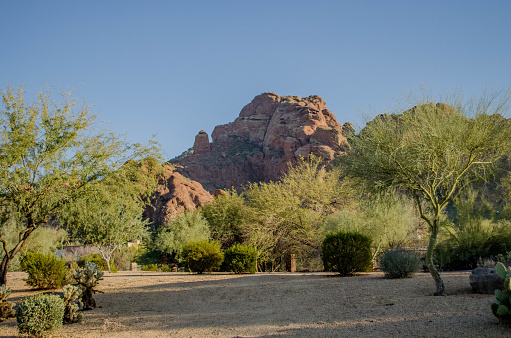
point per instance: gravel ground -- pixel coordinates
(154, 304)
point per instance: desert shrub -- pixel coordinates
(40, 315)
(477, 240)
(124, 256)
(149, 267)
(399, 263)
(45, 240)
(186, 228)
(240, 258)
(72, 304)
(202, 256)
(6, 308)
(44, 271)
(346, 253)
(98, 260)
(165, 268)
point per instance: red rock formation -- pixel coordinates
(269, 132)
(174, 195)
(201, 145)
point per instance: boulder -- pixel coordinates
(484, 279)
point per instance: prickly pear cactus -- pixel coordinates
(6, 310)
(72, 304)
(502, 307)
(87, 279)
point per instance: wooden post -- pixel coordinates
(133, 266)
(291, 263)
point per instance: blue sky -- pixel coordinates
(173, 68)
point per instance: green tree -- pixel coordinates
(185, 228)
(287, 216)
(50, 153)
(432, 152)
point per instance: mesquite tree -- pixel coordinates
(432, 152)
(50, 153)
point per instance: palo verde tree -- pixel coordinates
(432, 152)
(50, 153)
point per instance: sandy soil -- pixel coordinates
(153, 304)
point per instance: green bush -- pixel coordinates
(202, 256)
(240, 258)
(96, 258)
(44, 271)
(399, 263)
(346, 253)
(40, 315)
(150, 267)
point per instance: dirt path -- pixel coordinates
(152, 304)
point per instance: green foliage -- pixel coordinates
(226, 215)
(150, 267)
(98, 260)
(432, 152)
(72, 304)
(399, 263)
(185, 228)
(346, 253)
(87, 278)
(202, 256)
(240, 258)
(44, 271)
(40, 315)
(502, 307)
(44, 239)
(388, 218)
(288, 216)
(51, 155)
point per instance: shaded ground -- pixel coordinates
(154, 304)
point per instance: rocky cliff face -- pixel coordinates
(269, 132)
(174, 195)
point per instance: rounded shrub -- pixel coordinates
(202, 256)
(240, 258)
(40, 315)
(346, 253)
(44, 271)
(399, 263)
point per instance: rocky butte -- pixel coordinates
(269, 132)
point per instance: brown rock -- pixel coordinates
(174, 195)
(269, 132)
(201, 144)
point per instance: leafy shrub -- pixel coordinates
(399, 263)
(346, 253)
(44, 271)
(96, 259)
(240, 258)
(150, 267)
(502, 307)
(165, 268)
(40, 315)
(202, 256)
(474, 241)
(186, 228)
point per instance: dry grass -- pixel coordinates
(153, 304)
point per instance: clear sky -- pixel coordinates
(172, 68)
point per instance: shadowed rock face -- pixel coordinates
(174, 195)
(269, 132)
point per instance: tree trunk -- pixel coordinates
(440, 290)
(3, 269)
(88, 300)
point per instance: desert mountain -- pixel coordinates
(173, 196)
(270, 131)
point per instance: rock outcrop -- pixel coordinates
(484, 279)
(174, 195)
(269, 132)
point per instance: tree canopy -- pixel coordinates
(432, 152)
(51, 152)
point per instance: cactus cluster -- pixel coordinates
(6, 310)
(72, 304)
(502, 307)
(87, 279)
